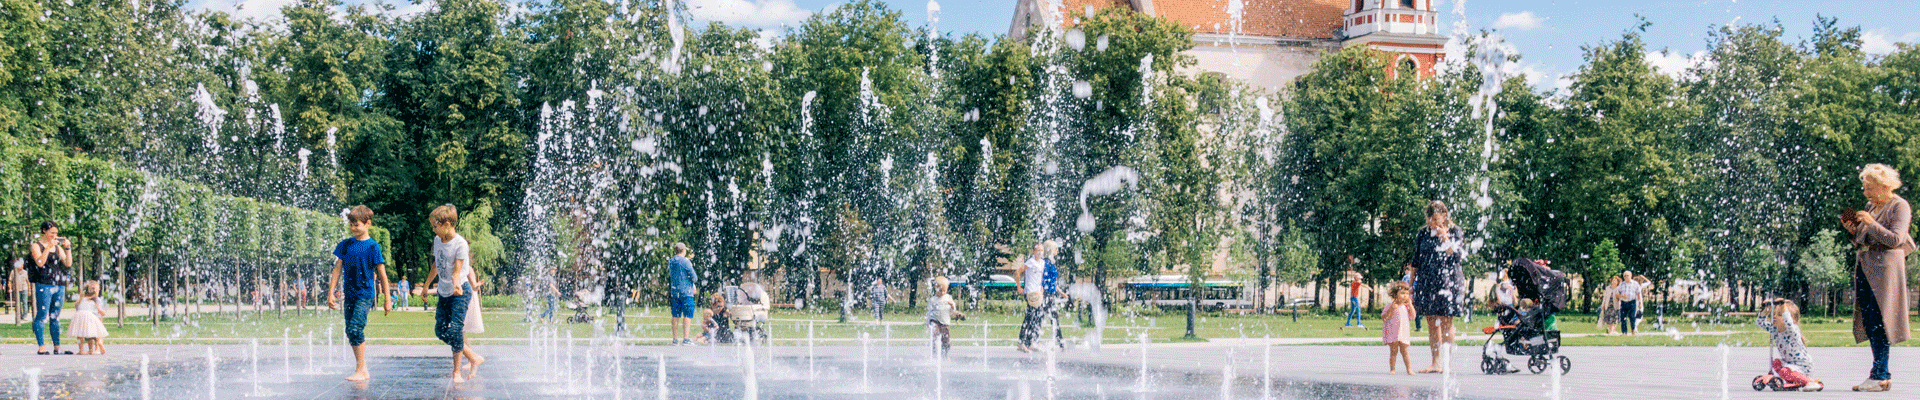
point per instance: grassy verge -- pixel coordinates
(997, 327)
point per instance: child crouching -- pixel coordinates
(1780, 317)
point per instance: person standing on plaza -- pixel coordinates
(22, 290)
(52, 255)
(406, 292)
(1880, 276)
(1436, 259)
(681, 288)
(877, 298)
(360, 261)
(1406, 275)
(1056, 296)
(1354, 285)
(1031, 279)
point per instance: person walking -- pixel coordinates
(1437, 254)
(680, 280)
(52, 255)
(1628, 294)
(1879, 277)
(1030, 278)
(1609, 314)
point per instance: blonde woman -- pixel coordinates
(1610, 308)
(1441, 295)
(1880, 282)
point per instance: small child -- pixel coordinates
(1393, 331)
(941, 313)
(359, 277)
(1780, 317)
(88, 325)
(474, 324)
(449, 274)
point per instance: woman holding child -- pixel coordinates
(1881, 245)
(1437, 253)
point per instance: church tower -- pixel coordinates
(1404, 28)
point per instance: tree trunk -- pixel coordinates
(1193, 307)
(121, 320)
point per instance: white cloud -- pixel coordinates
(1675, 64)
(1521, 21)
(1878, 42)
(756, 13)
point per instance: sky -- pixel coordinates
(1549, 34)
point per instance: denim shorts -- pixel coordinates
(682, 306)
(356, 315)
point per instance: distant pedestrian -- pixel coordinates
(1609, 306)
(681, 290)
(1354, 285)
(22, 290)
(1031, 278)
(406, 292)
(877, 297)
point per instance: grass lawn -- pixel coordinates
(506, 321)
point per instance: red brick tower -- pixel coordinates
(1404, 28)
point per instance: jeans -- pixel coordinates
(1876, 327)
(450, 319)
(405, 298)
(356, 318)
(46, 311)
(879, 308)
(549, 314)
(1353, 311)
(1630, 316)
(22, 299)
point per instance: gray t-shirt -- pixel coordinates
(444, 252)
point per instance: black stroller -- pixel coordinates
(1525, 332)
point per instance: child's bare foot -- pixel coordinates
(358, 376)
(457, 378)
(473, 366)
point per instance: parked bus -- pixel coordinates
(1172, 291)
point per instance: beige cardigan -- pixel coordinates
(1882, 245)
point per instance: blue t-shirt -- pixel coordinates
(357, 259)
(680, 276)
(1051, 281)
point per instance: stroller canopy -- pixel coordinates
(1543, 285)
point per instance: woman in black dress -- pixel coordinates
(1437, 253)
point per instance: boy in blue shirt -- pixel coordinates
(358, 258)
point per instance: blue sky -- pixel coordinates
(1548, 34)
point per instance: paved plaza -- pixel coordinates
(417, 371)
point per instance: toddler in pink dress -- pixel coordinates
(1394, 331)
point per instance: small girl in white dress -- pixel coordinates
(88, 324)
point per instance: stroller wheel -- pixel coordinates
(1537, 364)
(1565, 365)
(1486, 364)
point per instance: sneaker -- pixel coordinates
(1871, 385)
(1813, 387)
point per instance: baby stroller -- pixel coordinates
(747, 306)
(1525, 332)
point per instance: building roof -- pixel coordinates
(1297, 19)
